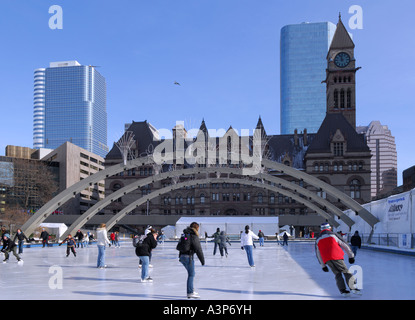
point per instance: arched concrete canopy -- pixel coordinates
(116, 218)
(293, 189)
(342, 197)
(67, 194)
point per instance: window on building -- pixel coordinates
(349, 98)
(336, 98)
(338, 149)
(202, 198)
(355, 187)
(259, 198)
(342, 99)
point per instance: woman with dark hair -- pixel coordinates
(187, 260)
(247, 244)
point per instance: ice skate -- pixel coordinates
(20, 261)
(193, 295)
(147, 280)
(345, 293)
(357, 291)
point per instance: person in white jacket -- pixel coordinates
(247, 244)
(102, 241)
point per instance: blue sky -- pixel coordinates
(224, 53)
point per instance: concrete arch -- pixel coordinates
(295, 189)
(72, 191)
(116, 218)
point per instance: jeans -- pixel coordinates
(249, 254)
(21, 246)
(261, 242)
(101, 256)
(145, 260)
(189, 264)
(354, 249)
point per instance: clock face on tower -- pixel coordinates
(342, 60)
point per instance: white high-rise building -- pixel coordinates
(39, 109)
(384, 161)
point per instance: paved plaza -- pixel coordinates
(281, 273)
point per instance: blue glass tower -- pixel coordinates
(303, 52)
(74, 107)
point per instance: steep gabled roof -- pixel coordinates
(332, 123)
(341, 38)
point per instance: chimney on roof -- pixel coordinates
(305, 137)
(295, 137)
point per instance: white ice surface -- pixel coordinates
(281, 273)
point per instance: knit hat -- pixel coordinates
(6, 235)
(325, 226)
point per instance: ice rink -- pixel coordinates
(281, 273)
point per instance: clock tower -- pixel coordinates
(341, 75)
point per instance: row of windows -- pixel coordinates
(337, 166)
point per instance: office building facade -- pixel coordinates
(70, 105)
(384, 161)
(303, 52)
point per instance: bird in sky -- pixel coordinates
(176, 83)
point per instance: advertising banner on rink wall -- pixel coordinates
(397, 208)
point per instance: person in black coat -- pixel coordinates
(80, 236)
(355, 242)
(20, 236)
(45, 237)
(9, 246)
(186, 258)
(143, 251)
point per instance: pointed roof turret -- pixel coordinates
(341, 38)
(261, 127)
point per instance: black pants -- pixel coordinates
(69, 249)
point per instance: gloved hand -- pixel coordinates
(351, 260)
(325, 269)
(242, 247)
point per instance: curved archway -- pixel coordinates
(73, 190)
(292, 190)
(117, 218)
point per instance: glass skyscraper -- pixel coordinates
(70, 105)
(303, 52)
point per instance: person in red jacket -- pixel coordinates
(329, 251)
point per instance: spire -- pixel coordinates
(341, 38)
(261, 127)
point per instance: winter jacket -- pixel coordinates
(195, 245)
(149, 243)
(8, 245)
(356, 241)
(329, 247)
(216, 237)
(69, 241)
(20, 236)
(247, 238)
(44, 235)
(79, 235)
(102, 237)
(223, 239)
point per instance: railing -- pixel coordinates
(388, 239)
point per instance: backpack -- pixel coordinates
(138, 241)
(184, 245)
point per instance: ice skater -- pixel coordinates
(20, 236)
(186, 258)
(222, 245)
(143, 251)
(9, 246)
(329, 253)
(247, 244)
(70, 242)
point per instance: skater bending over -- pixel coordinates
(329, 251)
(70, 242)
(9, 246)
